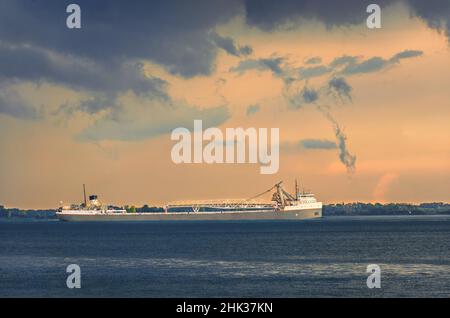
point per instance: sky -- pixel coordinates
(363, 113)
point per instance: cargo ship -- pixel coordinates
(283, 206)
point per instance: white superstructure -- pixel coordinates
(91, 207)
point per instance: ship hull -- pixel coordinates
(195, 216)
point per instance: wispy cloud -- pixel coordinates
(253, 109)
(313, 71)
(339, 88)
(156, 121)
(273, 64)
(345, 65)
(375, 64)
(12, 104)
(318, 144)
(308, 144)
(314, 60)
(229, 45)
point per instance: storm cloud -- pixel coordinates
(274, 15)
(105, 58)
(436, 13)
(174, 34)
(39, 65)
(271, 15)
(171, 33)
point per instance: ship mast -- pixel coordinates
(280, 193)
(296, 189)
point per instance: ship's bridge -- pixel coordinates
(306, 198)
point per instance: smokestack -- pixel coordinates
(84, 192)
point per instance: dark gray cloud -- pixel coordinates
(24, 63)
(313, 71)
(273, 64)
(436, 13)
(229, 46)
(104, 58)
(318, 144)
(309, 95)
(307, 144)
(343, 60)
(92, 104)
(339, 88)
(252, 109)
(171, 33)
(248, 65)
(269, 15)
(97, 103)
(351, 65)
(404, 55)
(373, 64)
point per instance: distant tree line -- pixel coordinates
(359, 208)
(19, 213)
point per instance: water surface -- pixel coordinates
(314, 258)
